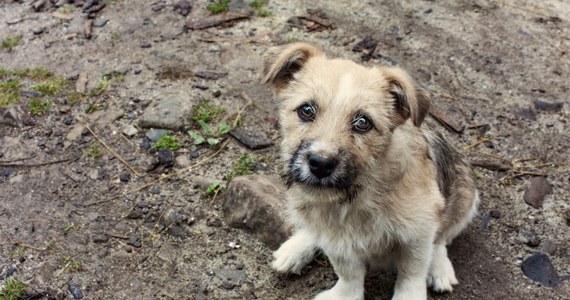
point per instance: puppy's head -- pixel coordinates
(337, 117)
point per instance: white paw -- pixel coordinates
(292, 256)
(334, 294)
(441, 277)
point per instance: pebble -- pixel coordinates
(38, 30)
(74, 290)
(158, 6)
(173, 112)
(155, 134)
(536, 191)
(166, 157)
(145, 143)
(539, 268)
(100, 22)
(130, 130)
(177, 231)
(548, 106)
(183, 7)
(527, 113)
(155, 190)
(253, 139)
(183, 161)
(495, 214)
(135, 241)
(194, 154)
(145, 45)
(100, 238)
(217, 93)
(125, 177)
(210, 75)
(567, 216)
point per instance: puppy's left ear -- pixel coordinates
(409, 102)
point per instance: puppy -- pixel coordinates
(368, 184)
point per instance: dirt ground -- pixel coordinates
(73, 225)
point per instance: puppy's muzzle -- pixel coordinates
(321, 166)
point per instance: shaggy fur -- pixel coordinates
(367, 182)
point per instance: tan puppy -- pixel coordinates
(367, 182)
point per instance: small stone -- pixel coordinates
(239, 266)
(166, 157)
(38, 30)
(135, 241)
(217, 93)
(533, 241)
(539, 268)
(145, 45)
(200, 86)
(549, 247)
(548, 106)
(241, 7)
(183, 7)
(194, 154)
(183, 161)
(210, 75)
(155, 134)
(100, 22)
(130, 130)
(485, 220)
(255, 203)
(527, 113)
(158, 6)
(495, 214)
(567, 216)
(74, 289)
(174, 112)
(253, 139)
(155, 190)
(173, 217)
(228, 285)
(125, 177)
(100, 238)
(536, 191)
(145, 143)
(177, 231)
(68, 120)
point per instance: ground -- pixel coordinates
(78, 219)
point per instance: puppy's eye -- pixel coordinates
(361, 124)
(307, 112)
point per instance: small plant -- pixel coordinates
(212, 135)
(215, 188)
(71, 265)
(10, 42)
(168, 142)
(93, 107)
(66, 9)
(67, 227)
(218, 7)
(93, 150)
(206, 112)
(38, 73)
(51, 87)
(9, 91)
(75, 97)
(38, 106)
(258, 5)
(19, 252)
(115, 36)
(14, 289)
(244, 165)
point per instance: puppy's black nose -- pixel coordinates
(321, 166)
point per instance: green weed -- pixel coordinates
(206, 112)
(93, 151)
(18, 252)
(168, 142)
(66, 9)
(71, 265)
(93, 107)
(9, 91)
(14, 289)
(51, 87)
(67, 227)
(215, 188)
(244, 165)
(218, 7)
(10, 42)
(38, 106)
(258, 5)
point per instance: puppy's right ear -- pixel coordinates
(282, 63)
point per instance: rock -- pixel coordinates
(567, 216)
(130, 130)
(256, 203)
(158, 6)
(172, 113)
(145, 45)
(12, 116)
(155, 134)
(173, 217)
(100, 22)
(539, 268)
(145, 143)
(166, 157)
(177, 231)
(134, 241)
(88, 29)
(536, 191)
(38, 30)
(210, 75)
(74, 289)
(155, 190)
(231, 275)
(81, 83)
(527, 113)
(495, 214)
(93, 6)
(183, 7)
(548, 106)
(253, 139)
(217, 93)
(366, 46)
(241, 7)
(125, 177)
(68, 120)
(100, 238)
(45, 273)
(183, 161)
(38, 5)
(549, 247)
(102, 118)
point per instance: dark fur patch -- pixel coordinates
(444, 158)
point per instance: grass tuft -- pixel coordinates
(218, 7)
(14, 289)
(38, 106)
(10, 42)
(168, 142)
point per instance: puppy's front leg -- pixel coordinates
(350, 285)
(295, 253)
(413, 265)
